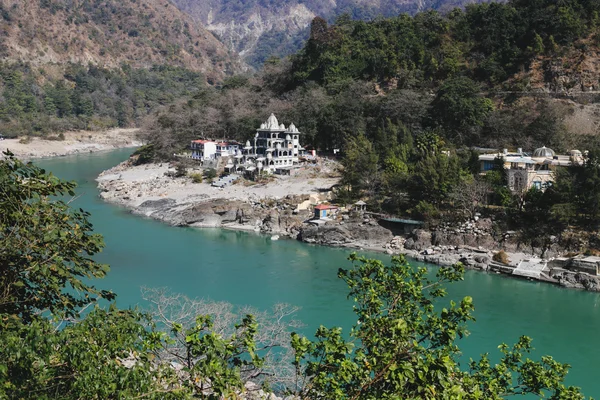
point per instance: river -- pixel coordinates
(246, 268)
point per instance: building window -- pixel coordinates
(488, 165)
(537, 185)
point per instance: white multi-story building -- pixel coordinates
(203, 149)
(274, 148)
(208, 149)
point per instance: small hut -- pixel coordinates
(324, 211)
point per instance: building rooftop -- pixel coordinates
(202, 141)
(325, 207)
(544, 152)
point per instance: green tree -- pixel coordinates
(459, 109)
(47, 247)
(403, 345)
(108, 354)
(433, 177)
(361, 168)
(49, 106)
(50, 352)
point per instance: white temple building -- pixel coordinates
(274, 148)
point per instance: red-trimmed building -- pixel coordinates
(324, 211)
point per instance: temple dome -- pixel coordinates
(292, 128)
(248, 143)
(288, 137)
(272, 123)
(282, 127)
(543, 152)
(278, 147)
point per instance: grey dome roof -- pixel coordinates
(543, 152)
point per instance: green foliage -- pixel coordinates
(425, 211)
(573, 198)
(122, 96)
(144, 155)
(404, 345)
(215, 363)
(457, 108)
(360, 166)
(210, 174)
(433, 177)
(495, 39)
(46, 260)
(196, 177)
(87, 359)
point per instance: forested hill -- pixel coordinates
(489, 42)
(261, 28)
(109, 32)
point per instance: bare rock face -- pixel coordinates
(340, 235)
(212, 214)
(419, 240)
(578, 280)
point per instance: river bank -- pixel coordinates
(69, 143)
(284, 207)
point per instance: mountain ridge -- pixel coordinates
(107, 33)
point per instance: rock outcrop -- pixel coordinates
(335, 234)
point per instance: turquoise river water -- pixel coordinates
(246, 268)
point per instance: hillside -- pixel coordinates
(107, 33)
(258, 29)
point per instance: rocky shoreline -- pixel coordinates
(149, 191)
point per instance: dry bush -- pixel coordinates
(501, 257)
(272, 339)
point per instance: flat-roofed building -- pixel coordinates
(525, 171)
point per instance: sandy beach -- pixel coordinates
(73, 143)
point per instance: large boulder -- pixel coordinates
(420, 239)
(336, 234)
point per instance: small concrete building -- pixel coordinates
(587, 264)
(325, 211)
